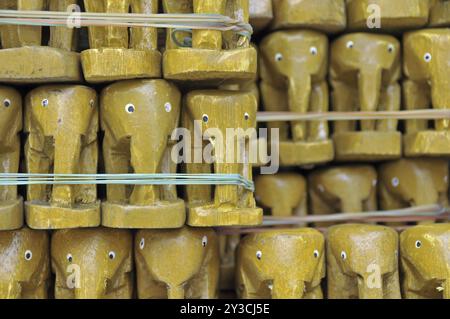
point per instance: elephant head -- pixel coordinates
(323, 15)
(362, 262)
(413, 182)
(179, 263)
(282, 264)
(294, 65)
(25, 260)
(425, 259)
(62, 125)
(343, 189)
(283, 194)
(93, 263)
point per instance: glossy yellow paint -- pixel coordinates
(62, 126)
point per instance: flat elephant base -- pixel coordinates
(306, 153)
(107, 64)
(163, 214)
(427, 143)
(211, 215)
(440, 14)
(42, 215)
(367, 146)
(32, 64)
(210, 65)
(11, 214)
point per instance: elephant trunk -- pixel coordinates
(299, 95)
(440, 95)
(175, 292)
(10, 290)
(370, 288)
(288, 289)
(369, 87)
(66, 161)
(93, 287)
(351, 204)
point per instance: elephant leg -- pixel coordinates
(37, 161)
(343, 100)
(314, 293)
(198, 193)
(89, 160)
(12, 159)
(168, 166)
(62, 37)
(390, 101)
(144, 38)
(416, 96)
(30, 35)
(116, 162)
(97, 35)
(318, 130)
(392, 287)
(117, 37)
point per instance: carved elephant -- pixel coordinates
(138, 116)
(281, 264)
(24, 55)
(293, 68)
(364, 73)
(93, 263)
(11, 205)
(425, 260)
(121, 53)
(209, 57)
(229, 154)
(282, 194)
(342, 189)
(177, 264)
(62, 126)
(323, 15)
(426, 66)
(25, 264)
(362, 262)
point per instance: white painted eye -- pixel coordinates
(313, 50)
(246, 116)
(168, 107)
(28, 255)
(205, 118)
(316, 254)
(6, 103)
(350, 44)
(112, 255)
(418, 244)
(204, 241)
(44, 102)
(142, 244)
(259, 254)
(395, 182)
(343, 255)
(391, 48)
(91, 103)
(129, 108)
(427, 57)
(69, 258)
(278, 57)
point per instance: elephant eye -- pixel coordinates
(278, 57)
(246, 116)
(204, 241)
(112, 255)
(168, 107)
(129, 108)
(390, 48)
(313, 50)
(418, 244)
(205, 118)
(350, 44)
(44, 102)
(316, 254)
(395, 182)
(69, 258)
(343, 255)
(427, 57)
(91, 103)
(142, 244)
(6, 102)
(28, 255)
(259, 254)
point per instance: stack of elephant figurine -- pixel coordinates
(113, 106)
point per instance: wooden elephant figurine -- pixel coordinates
(25, 260)
(121, 53)
(324, 15)
(11, 205)
(261, 14)
(177, 263)
(282, 194)
(281, 264)
(364, 73)
(93, 263)
(204, 110)
(293, 68)
(425, 261)
(24, 55)
(342, 189)
(209, 56)
(439, 13)
(362, 262)
(138, 116)
(426, 66)
(62, 126)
